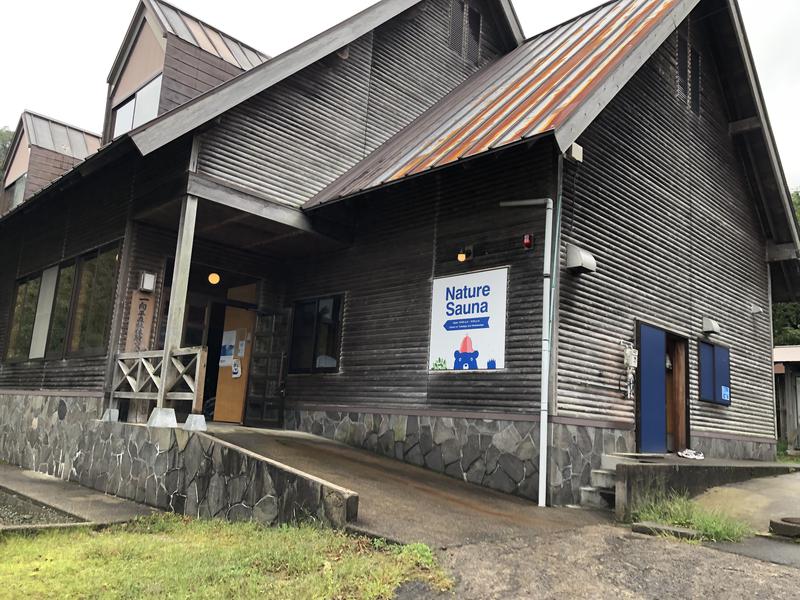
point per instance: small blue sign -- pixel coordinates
(462, 324)
(726, 393)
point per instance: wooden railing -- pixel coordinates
(139, 376)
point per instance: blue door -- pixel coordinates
(652, 390)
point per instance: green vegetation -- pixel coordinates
(6, 137)
(678, 510)
(175, 557)
(786, 315)
(783, 453)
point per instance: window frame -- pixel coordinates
(79, 261)
(12, 315)
(61, 354)
(20, 183)
(714, 374)
(133, 98)
(313, 369)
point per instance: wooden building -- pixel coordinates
(422, 234)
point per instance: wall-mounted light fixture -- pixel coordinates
(710, 327)
(527, 241)
(755, 309)
(214, 278)
(147, 282)
(464, 254)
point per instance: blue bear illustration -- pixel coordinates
(466, 357)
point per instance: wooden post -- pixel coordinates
(178, 292)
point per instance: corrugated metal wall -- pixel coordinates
(662, 203)
(405, 236)
(189, 72)
(292, 140)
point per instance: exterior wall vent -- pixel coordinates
(580, 261)
(710, 327)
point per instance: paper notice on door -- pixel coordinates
(242, 348)
(228, 346)
(236, 368)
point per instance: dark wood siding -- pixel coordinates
(405, 236)
(292, 140)
(190, 71)
(662, 203)
(44, 167)
(67, 224)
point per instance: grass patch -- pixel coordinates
(783, 453)
(167, 556)
(678, 510)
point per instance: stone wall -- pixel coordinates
(171, 469)
(575, 451)
(735, 449)
(502, 455)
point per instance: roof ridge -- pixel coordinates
(59, 122)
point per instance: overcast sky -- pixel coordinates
(56, 54)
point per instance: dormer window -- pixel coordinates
(138, 109)
(16, 191)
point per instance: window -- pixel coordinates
(465, 31)
(16, 191)
(316, 336)
(94, 301)
(715, 373)
(59, 322)
(25, 301)
(138, 109)
(65, 310)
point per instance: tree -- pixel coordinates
(786, 315)
(6, 135)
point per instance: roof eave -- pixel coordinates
(772, 146)
(514, 23)
(12, 149)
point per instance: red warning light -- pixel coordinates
(527, 241)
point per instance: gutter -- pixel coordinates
(547, 330)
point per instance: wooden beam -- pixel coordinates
(210, 189)
(781, 252)
(178, 291)
(744, 125)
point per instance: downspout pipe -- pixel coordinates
(547, 311)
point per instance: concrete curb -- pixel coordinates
(35, 529)
(650, 528)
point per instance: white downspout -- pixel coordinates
(547, 298)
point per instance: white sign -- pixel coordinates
(468, 321)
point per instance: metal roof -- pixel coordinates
(59, 137)
(206, 37)
(556, 82)
(169, 126)
(784, 354)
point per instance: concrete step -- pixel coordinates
(610, 461)
(604, 478)
(594, 497)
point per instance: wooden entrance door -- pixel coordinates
(238, 332)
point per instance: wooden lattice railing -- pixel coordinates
(139, 376)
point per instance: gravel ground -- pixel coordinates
(610, 562)
(17, 510)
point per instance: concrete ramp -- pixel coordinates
(403, 502)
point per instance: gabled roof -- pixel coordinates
(206, 37)
(557, 82)
(59, 137)
(166, 18)
(52, 135)
(193, 114)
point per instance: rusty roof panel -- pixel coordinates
(531, 91)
